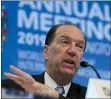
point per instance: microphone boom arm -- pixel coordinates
(95, 71)
(85, 64)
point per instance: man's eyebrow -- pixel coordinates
(79, 41)
(66, 37)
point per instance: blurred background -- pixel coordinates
(24, 26)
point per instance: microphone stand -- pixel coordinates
(95, 71)
(85, 64)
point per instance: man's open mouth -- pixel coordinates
(70, 62)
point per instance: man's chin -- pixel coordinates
(68, 72)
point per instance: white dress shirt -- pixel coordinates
(52, 84)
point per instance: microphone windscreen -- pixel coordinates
(84, 64)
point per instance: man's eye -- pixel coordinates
(81, 47)
(65, 42)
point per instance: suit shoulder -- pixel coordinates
(39, 78)
(79, 86)
(78, 90)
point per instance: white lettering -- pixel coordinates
(107, 13)
(28, 3)
(46, 21)
(59, 19)
(31, 39)
(98, 48)
(107, 32)
(76, 9)
(24, 20)
(96, 11)
(47, 5)
(63, 6)
(96, 30)
(30, 55)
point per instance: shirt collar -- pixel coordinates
(52, 84)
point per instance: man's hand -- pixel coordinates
(30, 85)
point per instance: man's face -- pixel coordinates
(64, 54)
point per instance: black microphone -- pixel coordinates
(85, 64)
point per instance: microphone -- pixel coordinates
(85, 64)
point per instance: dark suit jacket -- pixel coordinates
(75, 92)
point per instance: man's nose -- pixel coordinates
(72, 51)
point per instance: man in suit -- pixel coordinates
(63, 50)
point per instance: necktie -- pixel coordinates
(60, 90)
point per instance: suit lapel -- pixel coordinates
(39, 78)
(73, 91)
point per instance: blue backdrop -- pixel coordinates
(25, 25)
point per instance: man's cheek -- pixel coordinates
(54, 51)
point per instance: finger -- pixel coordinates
(17, 71)
(14, 78)
(11, 76)
(24, 76)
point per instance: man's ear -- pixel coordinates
(45, 52)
